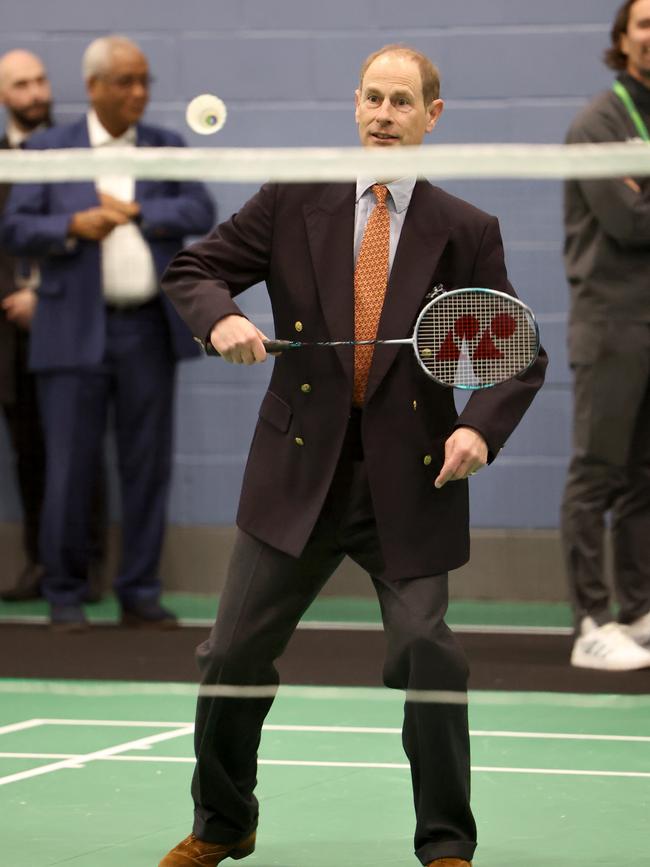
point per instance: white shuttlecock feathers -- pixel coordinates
(206, 114)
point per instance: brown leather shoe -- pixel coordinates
(148, 615)
(192, 852)
(449, 862)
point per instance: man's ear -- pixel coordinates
(91, 84)
(357, 102)
(434, 110)
(624, 45)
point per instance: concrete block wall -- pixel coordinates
(512, 71)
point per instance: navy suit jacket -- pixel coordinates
(69, 326)
(7, 329)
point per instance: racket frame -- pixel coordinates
(431, 305)
(275, 345)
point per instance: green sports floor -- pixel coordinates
(97, 773)
(194, 609)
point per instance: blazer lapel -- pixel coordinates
(81, 194)
(421, 244)
(143, 186)
(330, 231)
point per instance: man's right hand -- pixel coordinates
(129, 209)
(238, 341)
(95, 223)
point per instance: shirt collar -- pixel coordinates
(400, 190)
(16, 136)
(100, 137)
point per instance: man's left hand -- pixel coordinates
(19, 307)
(129, 209)
(465, 452)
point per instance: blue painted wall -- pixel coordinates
(512, 71)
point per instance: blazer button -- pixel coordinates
(298, 326)
(426, 460)
(299, 441)
(305, 388)
(415, 404)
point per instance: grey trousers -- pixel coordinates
(265, 596)
(609, 472)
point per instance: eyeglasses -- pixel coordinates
(126, 82)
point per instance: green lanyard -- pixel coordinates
(632, 110)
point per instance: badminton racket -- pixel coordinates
(466, 338)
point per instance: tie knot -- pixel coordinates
(380, 191)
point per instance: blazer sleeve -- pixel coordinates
(495, 412)
(203, 279)
(185, 208)
(28, 229)
(189, 211)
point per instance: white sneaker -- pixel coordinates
(607, 648)
(639, 630)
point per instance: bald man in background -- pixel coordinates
(26, 95)
(105, 341)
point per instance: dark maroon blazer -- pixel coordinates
(299, 239)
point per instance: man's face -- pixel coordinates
(389, 106)
(25, 90)
(120, 95)
(636, 42)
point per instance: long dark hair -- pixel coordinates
(613, 56)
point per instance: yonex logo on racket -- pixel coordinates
(475, 338)
(466, 329)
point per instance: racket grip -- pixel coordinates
(280, 345)
(269, 345)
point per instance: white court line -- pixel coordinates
(20, 726)
(325, 729)
(75, 761)
(562, 772)
(565, 736)
(474, 732)
(116, 723)
(38, 756)
(139, 744)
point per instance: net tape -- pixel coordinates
(330, 164)
(139, 689)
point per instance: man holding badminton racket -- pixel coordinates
(356, 453)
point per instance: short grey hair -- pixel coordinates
(99, 54)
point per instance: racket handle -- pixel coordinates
(280, 345)
(269, 345)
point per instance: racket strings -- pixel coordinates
(472, 339)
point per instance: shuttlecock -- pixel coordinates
(206, 114)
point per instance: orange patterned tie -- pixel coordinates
(370, 281)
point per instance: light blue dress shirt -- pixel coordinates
(397, 202)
